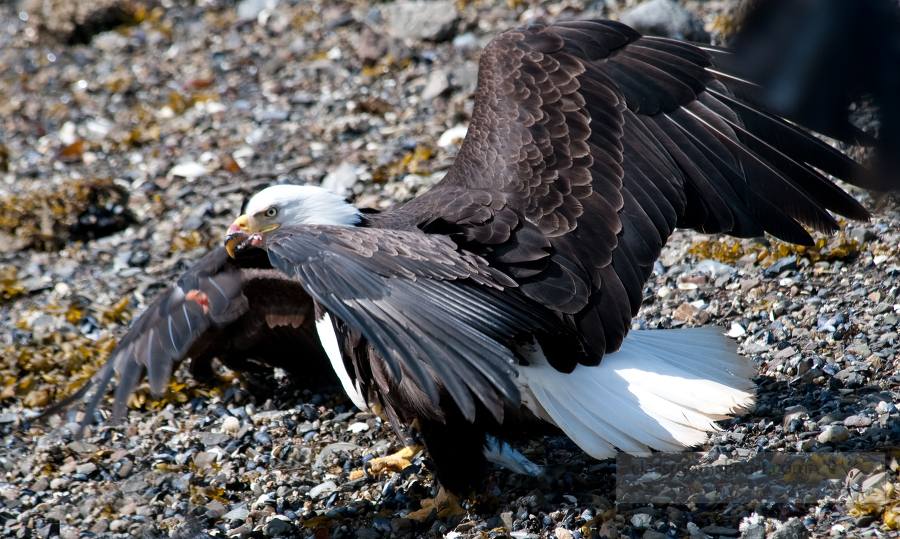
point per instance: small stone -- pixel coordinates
(278, 526)
(341, 180)
(318, 489)
(466, 42)
(785, 353)
(126, 468)
(653, 534)
(231, 424)
(118, 525)
(214, 438)
(40, 485)
(60, 483)
(753, 527)
(431, 21)
(665, 18)
(240, 512)
(834, 433)
(784, 264)
(272, 115)
(400, 524)
(736, 330)
(368, 533)
(641, 520)
(87, 468)
(684, 313)
(885, 407)
(792, 529)
(358, 427)
(562, 533)
(857, 421)
(383, 525)
(217, 507)
(204, 459)
(101, 526)
(189, 171)
(609, 530)
(438, 83)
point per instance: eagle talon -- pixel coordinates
(393, 463)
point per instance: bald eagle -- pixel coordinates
(497, 304)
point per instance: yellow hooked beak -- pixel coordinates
(242, 231)
(238, 233)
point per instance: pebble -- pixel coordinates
(231, 424)
(278, 526)
(322, 487)
(665, 18)
(857, 421)
(431, 21)
(189, 170)
(834, 433)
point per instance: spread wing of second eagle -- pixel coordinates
(501, 299)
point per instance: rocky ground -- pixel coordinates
(130, 133)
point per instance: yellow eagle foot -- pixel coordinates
(396, 462)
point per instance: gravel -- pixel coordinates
(125, 152)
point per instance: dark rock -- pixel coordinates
(786, 263)
(368, 533)
(792, 529)
(278, 527)
(720, 530)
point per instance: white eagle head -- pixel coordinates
(288, 205)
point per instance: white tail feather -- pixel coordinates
(663, 389)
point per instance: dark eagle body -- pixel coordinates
(498, 302)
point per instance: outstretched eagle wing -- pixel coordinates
(590, 144)
(234, 310)
(429, 309)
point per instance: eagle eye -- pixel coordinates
(271, 212)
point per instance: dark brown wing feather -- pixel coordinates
(234, 310)
(589, 144)
(432, 312)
